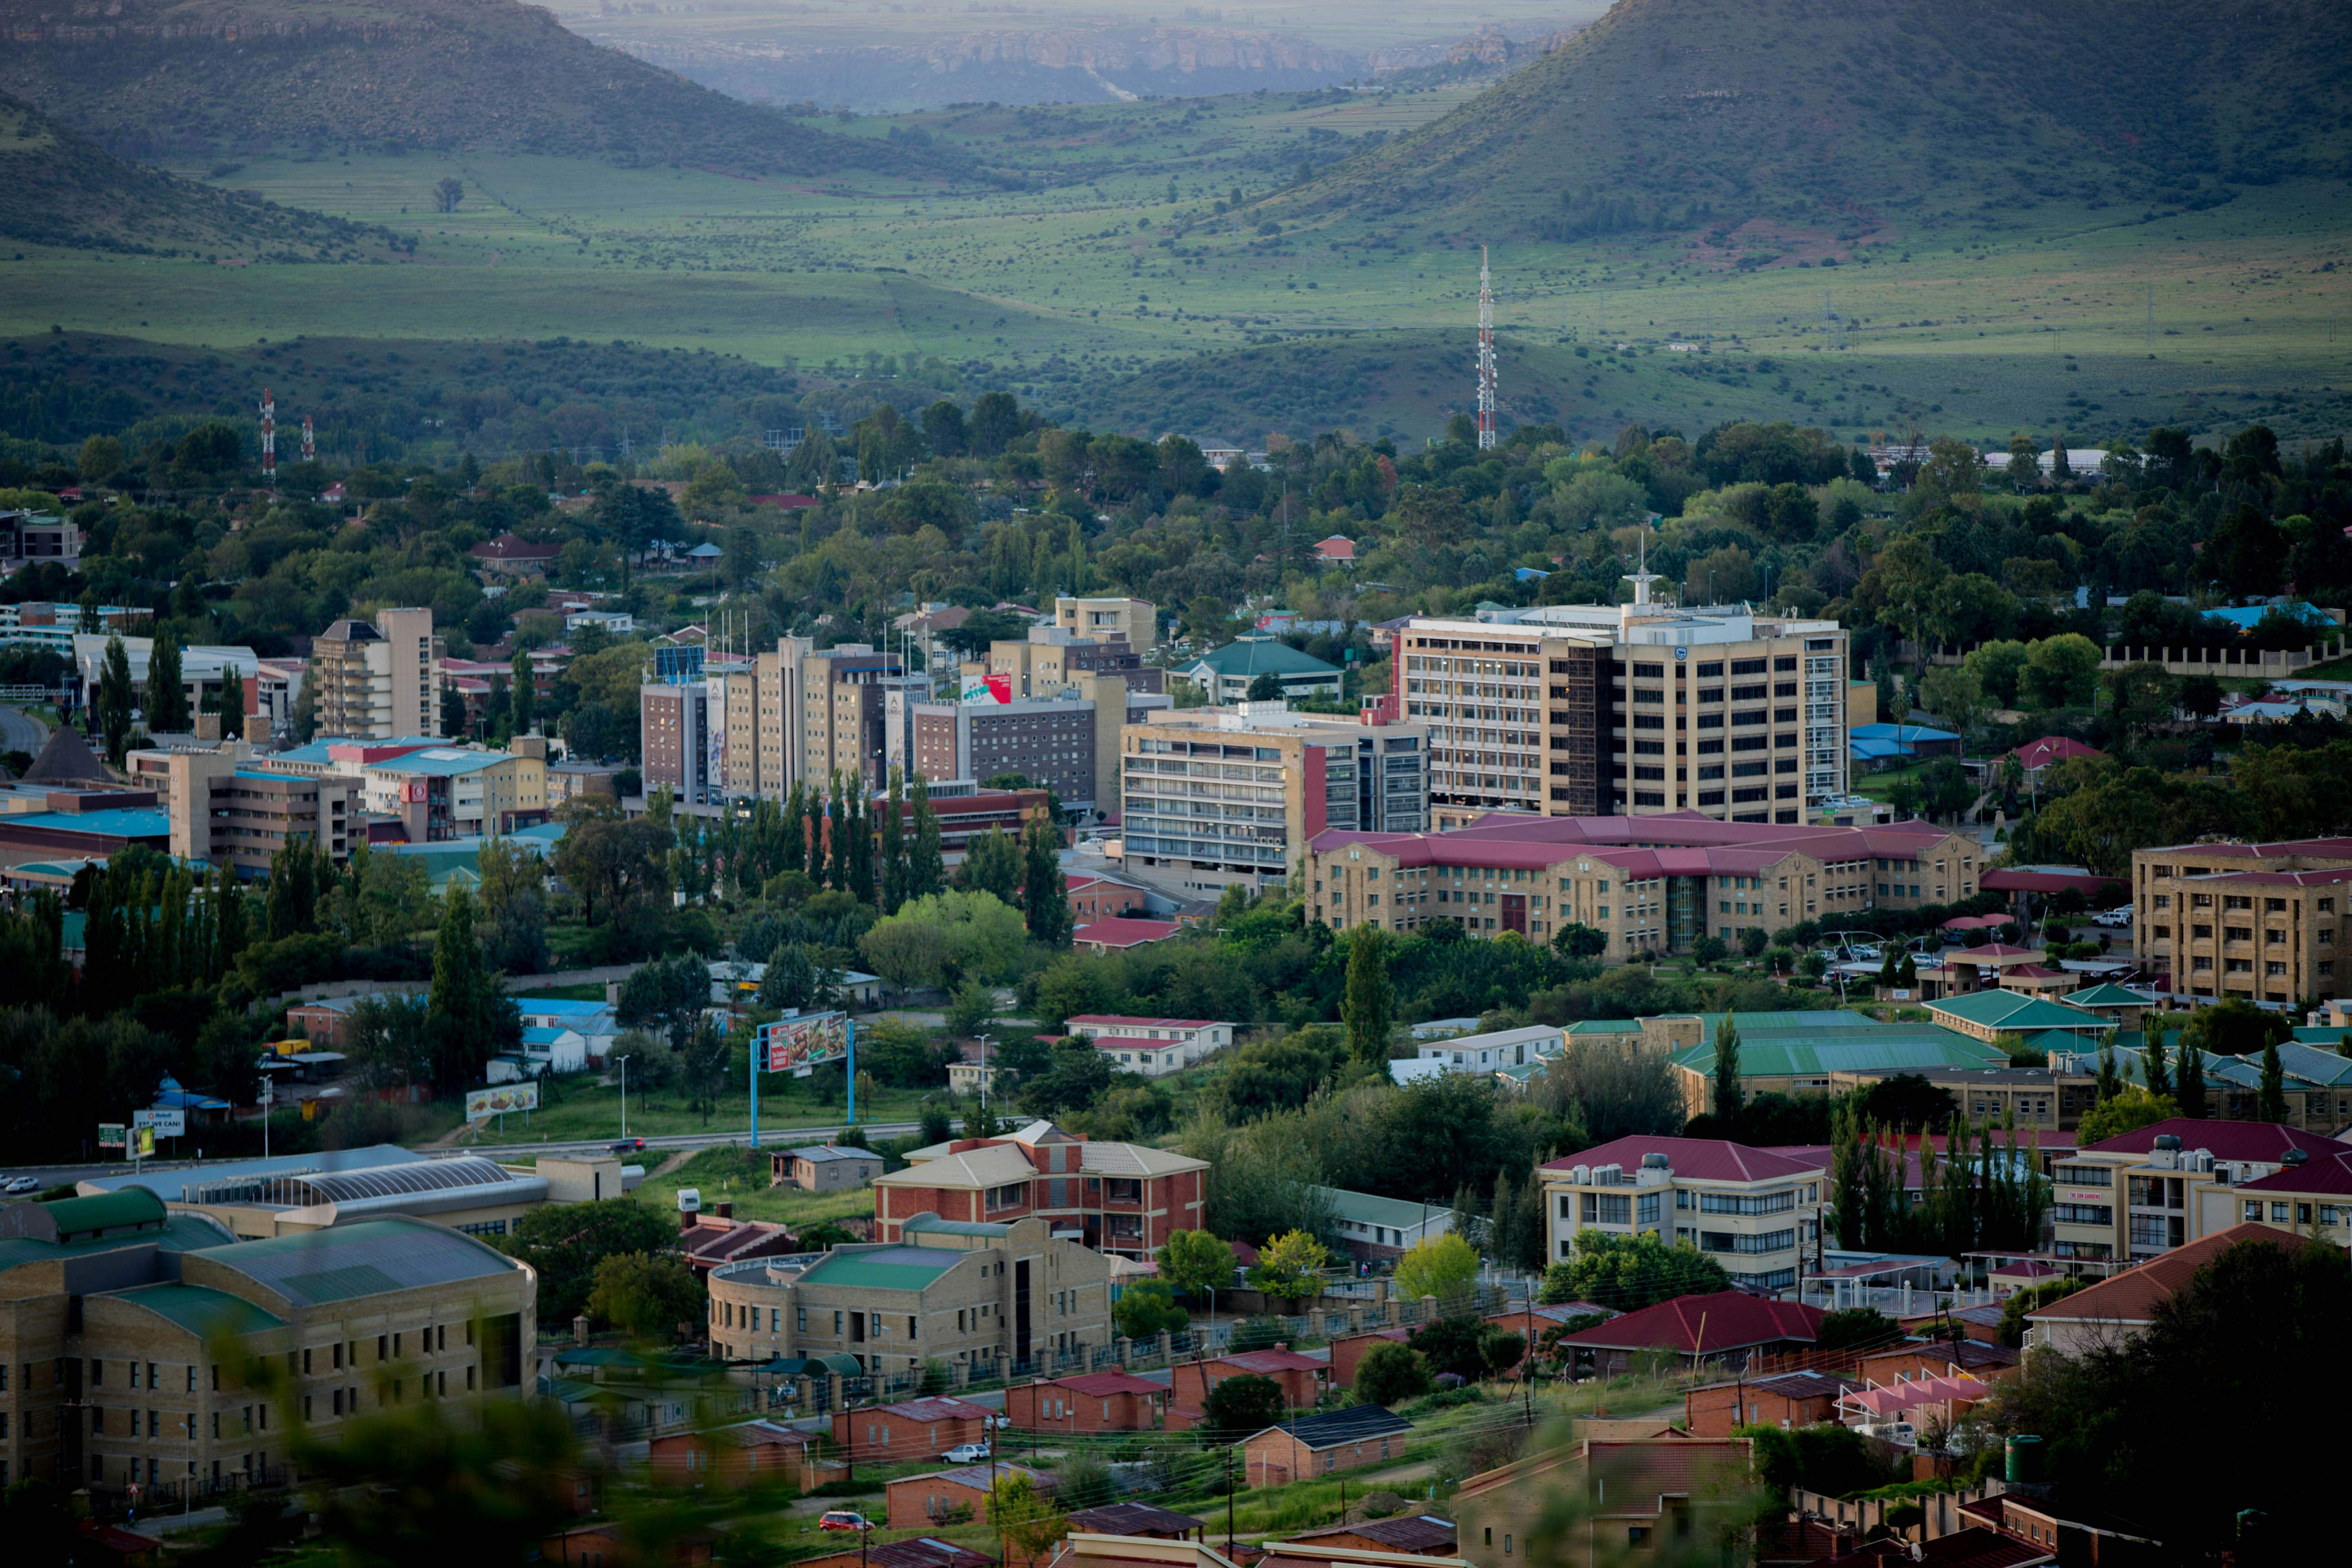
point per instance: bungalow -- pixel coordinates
(1091, 1401)
(1317, 1445)
(1120, 933)
(731, 1457)
(824, 1168)
(1380, 1230)
(1349, 1351)
(1727, 1326)
(1137, 1519)
(1301, 1379)
(1337, 550)
(1786, 1399)
(2124, 1304)
(919, 1502)
(916, 1428)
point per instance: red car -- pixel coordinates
(843, 1519)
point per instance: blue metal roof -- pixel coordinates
(1899, 732)
(2246, 618)
(136, 822)
(440, 760)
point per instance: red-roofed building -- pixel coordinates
(1783, 1399)
(511, 555)
(2123, 1304)
(1301, 1378)
(2311, 1195)
(1724, 1326)
(2282, 906)
(1185, 1040)
(1117, 935)
(1349, 1351)
(1337, 550)
(1754, 1210)
(2047, 752)
(786, 501)
(1099, 897)
(1092, 1402)
(914, 1430)
(2162, 1187)
(1976, 1547)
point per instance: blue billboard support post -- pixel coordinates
(849, 1033)
(759, 1046)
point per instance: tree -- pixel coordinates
(668, 994)
(1195, 1263)
(1854, 1327)
(2189, 1082)
(1241, 1407)
(2272, 1104)
(522, 693)
(1045, 898)
(1370, 1010)
(2061, 672)
(447, 192)
(1954, 694)
(1730, 1092)
(1576, 939)
(894, 842)
(645, 1295)
(1628, 1272)
(1391, 1374)
(564, 1243)
(702, 1069)
(1023, 1516)
(472, 1021)
(2127, 1112)
(925, 873)
(1146, 1308)
(1290, 1267)
(113, 704)
(1264, 688)
(167, 698)
(906, 950)
(993, 863)
(1439, 1266)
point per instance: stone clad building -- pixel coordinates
(2259, 923)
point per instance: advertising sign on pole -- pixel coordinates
(171, 1123)
(501, 1099)
(143, 1143)
(110, 1135)
(800, 1045)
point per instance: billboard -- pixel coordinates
(172, 1124)
(801, 1045)
(714, 735)
(412, 791)
(110, 1135)
(143, 1143)
(500, 1098)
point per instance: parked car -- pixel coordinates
(966, 1454)
(2121, 917)
(23, 1184)
(843, 1519)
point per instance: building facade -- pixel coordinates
(2146, 1192)
(1757, 1212)
(377, 678)
(1653, 883)
(1237, 795)
(458, 792)
(1587, 710)
(1123, 1198)
(1134, 622)
(2259, 923)
(241, 814)
(1050, 741)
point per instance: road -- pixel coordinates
(20, 731)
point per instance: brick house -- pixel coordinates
(1728, 1326)
(912, 1429)
(1415, 1534)
(916, 1502)
(1348, 1352)
(1301, 1379)
(922, 1552)
(1122, 1198)
(1319, 1445)
(822, 1168)
(733, 1456)
(1091, 1401)
(1938, 1358)
(1786, 1399)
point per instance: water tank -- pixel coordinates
(2025, 1459)
(2166, 1140)
(2296, 1157)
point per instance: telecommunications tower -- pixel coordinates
(1486, 353)
(309, 441)
(268, 438)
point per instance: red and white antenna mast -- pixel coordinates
(310, 442)
(1486, 353)
(268, 438)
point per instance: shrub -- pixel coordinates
(1391, 1374)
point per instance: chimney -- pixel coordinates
(726, 1210)
(686, 1218)
(207, 726)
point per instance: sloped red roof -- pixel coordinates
(1275, 1361)
(2327, 1174)
(1119, 932)
(1339, 547)
(1102, 1385)
(1701, 1159)
(2264, 1141)
(2133, 1295)
(2052, 749)
(1730, 1319)
(938, 1409)
(1140, 1022)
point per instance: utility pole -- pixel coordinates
(268, 438)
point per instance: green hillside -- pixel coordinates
(153, 78)
(1697, 115)
(59, 189)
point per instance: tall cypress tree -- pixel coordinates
(1370, 1010)
(1044, 894)
(167, 699)
(463, 1001)
(2190, 1070)
(837, 861)
(523, 692)
(793, 850)
(2274, 1092)
(859, 843)
(894, 845)
(1730, 1093)
(114, 704)
(2159, 1076)
(926, 866)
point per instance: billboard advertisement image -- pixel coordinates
(501, 1099)
(799, 1046)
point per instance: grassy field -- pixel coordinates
(739, 1174)
(586, 1110)
(1106, 294)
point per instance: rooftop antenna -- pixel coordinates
(309, 441)
(268, 438)
(1486, 353)
(1641, 576)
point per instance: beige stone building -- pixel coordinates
(979, 1297)
(1237, 795)
(377, 680)
(2259, 923)
(1756, 1212)
(1134, 622)
(114, 1313)
(1602, 709)
(2159, 1188)
(225, 811)
(1645, 884)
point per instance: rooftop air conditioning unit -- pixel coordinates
(689, 1200)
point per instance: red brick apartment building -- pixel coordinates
(1124, 1198)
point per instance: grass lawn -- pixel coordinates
(738, 1175)
(1881, 786)
(582, 1109)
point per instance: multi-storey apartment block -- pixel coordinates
(2146, 1192)
(2265, 923)
(240, 814)
(377, 680)
(1594, 710)
(1126, 1198)
(1236, 794)
(1756, 1212)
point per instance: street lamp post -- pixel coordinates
(624, 1060)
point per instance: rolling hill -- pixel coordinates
(57, 189)
(153, 78)
(1687, 114)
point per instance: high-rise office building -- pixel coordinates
(377, 678)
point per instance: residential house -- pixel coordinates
(1728, 1327)
(912, 1429)
(1784, 1399)
(1349, 1351)
(732, 1457)
(824, 1168)
(1938, 1358)
(2124, 1304)
(1137, 1519)
(1120, 933)
(1343, 1439)
(1088, 1401)
(1192, 1037)
(1224, 675)
(1481, 1054)
(1413, 1534)
(1753, 1210)
(1301, 1378)
(948, 1497)
(1380, 1230)
(1124, 1198)
(1087, 1550)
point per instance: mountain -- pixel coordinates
(60, 188)
(1682, 114)
(157, 77)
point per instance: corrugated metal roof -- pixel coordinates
(180, 1233)
(883, 1268)
(200, 1309)
(367, 1258)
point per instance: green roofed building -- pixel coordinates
(1797, 1061)
(1985, 1014)
(987, 1299)
(116, 1313)
(1224, 676)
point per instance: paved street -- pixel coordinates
(20, 731)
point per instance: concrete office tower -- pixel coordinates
(1134, 622)
(1606, 709)
(230, 811)
(795, 715)
(377, 680)
(1220, 796)
(675, 738)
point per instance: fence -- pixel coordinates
(322, 990)
(2232, 662)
